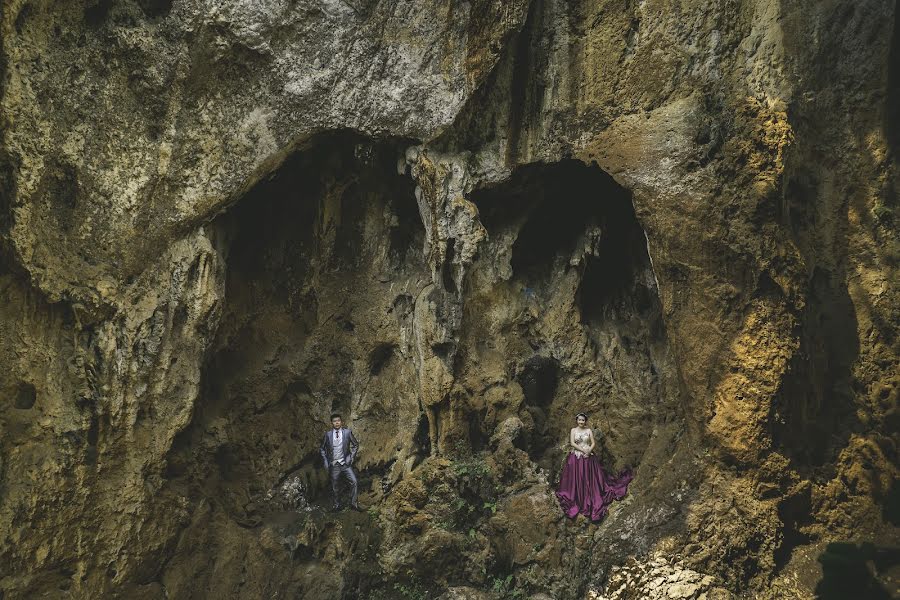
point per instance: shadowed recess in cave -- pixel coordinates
(25, 396)
(857, 571)
(813, 412)
(538, 379)
(814, 409)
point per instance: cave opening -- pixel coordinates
(552, 206)
(558, 207)
(579, 265)
(318, 257)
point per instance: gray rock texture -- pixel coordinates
(459, 224)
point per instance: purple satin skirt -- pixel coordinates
(584, 487)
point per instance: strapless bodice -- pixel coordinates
(582, 440)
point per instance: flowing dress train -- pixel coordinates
(586, 488)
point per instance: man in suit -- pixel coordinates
(338, 451)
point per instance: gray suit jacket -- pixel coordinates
(349, 444)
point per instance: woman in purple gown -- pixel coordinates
(584, 487)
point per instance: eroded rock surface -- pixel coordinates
(458, 223)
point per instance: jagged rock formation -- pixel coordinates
(459, 223)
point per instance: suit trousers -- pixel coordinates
(347, 471)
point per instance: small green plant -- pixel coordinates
(401, 590)
(500, 586)
(505, 588)
(474, 467)
(412, 591)
(884, 213)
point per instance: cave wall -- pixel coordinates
(678, 216)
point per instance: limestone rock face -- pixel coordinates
(458, 224)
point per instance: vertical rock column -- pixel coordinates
(452, 235)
